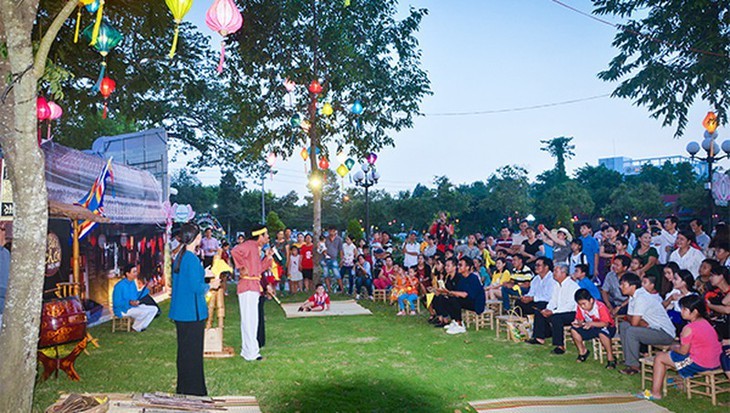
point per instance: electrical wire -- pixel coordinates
(519, 109)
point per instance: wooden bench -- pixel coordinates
(122, 323)
(483, 320)
(380, 295)
(418, 305)
(502, 321)
(647, 372)
(599, 352)
(708, 383)
(494, 305)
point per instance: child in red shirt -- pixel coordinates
(319, 301)
(592, 320)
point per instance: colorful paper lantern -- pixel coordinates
(179, 9)
(304, 154)
(327, 109)
(317, 151)
(305, 125)
(295, 120)
(108, 38)
(710, 122)
(324, 163)
(82, 3)
(349, 163)
(97, 24)
(225, 18)
(271, 159)
(342, 170)
(93, 6)
(56, 111)
(43, 111)
(107, 88)
(371, 158)
(315, 87)
(357, 108)
(289, 85)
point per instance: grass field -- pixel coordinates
(378, 363)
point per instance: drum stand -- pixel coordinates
(51, 365)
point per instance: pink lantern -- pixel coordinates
(42, 108)
(56, 111)
(271, 159)
(223, 17)
(289, 85)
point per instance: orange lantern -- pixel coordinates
(315, 87)
(710, 122)
(324, 163)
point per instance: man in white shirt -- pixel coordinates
(411, 249)
(668, 238)
(559, 312)
(648, 323)
(541, 288)
(519, 236)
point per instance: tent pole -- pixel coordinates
(75, 258)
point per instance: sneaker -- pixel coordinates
(371, 298)
(629, 371)
(413, 313)
(452, 323)
(456, 329)
(401, 312)
(357, 297)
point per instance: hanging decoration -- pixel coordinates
(43, 112)
(97, 24)
(271, 159)
(295, 120)
(710, 122)
(324, 163)
(179, 9)
(357, 108)
(305, 125)
(315, 88)
(371, 158)
(56, 112)
(349, 163)
(347, 3)
(225, 18)
(304, 154)
(108, 38)
(327, 109)
(289, 85)
(107, 88)
(82, 3)
(342, 171)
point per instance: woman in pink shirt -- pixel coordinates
(698, 351)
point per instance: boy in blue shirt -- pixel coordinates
(580, 276)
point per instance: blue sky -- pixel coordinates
(496, 54)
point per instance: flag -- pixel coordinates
(94, 200)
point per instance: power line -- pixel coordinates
(636, 33)
(519, 109)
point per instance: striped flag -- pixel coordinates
(94, 200)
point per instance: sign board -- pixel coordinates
(6, 194)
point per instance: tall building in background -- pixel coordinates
(628, 166)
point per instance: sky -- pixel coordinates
(484, 55)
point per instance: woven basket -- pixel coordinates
(78, 403)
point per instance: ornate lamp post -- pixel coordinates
(367, 177)
(712, 151)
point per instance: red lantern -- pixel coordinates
(324, 163)
(42, 108)
(107, 88)
(315, 87)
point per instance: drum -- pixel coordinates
(62, 321)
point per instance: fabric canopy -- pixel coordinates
(134, 197)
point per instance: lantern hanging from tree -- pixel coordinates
(710, 122)
(107, 88)
(324, 163)
(271, 159)
(304, 154)
(327, 109)
(179, 9)
(349, 163)
(305, 125)
(342, 170)
(357, 108)
(82, 3)
(315, 88)
(295, 120)
(371, 158)
(97, 24)
(42, 109)
(55, 112)
(108, 38)
(223, 17)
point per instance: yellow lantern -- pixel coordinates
(304, 154)
(342, 170)
(327, 109)
(179, 9)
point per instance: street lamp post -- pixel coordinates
(712, 151)
(365, 178)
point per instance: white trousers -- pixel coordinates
(248, 303)
(142, 314)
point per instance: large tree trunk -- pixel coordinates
(25, 162)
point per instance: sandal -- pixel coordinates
(583, 357)
(629, 371)
(611, 365)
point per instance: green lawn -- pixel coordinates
(378, 363)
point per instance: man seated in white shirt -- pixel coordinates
(541, 286)
(648, 323)
(559, 312)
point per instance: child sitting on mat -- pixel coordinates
(699, 349)
(592, 321)
(319, 301)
